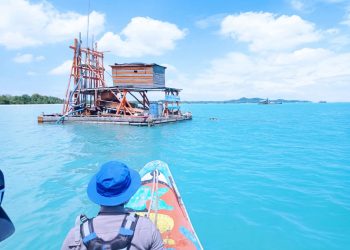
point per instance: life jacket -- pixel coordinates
(121, 241)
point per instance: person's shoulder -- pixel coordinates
(71, 241)
(145, 220)
(150, 233)
(145, 223)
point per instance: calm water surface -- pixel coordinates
(259, 177)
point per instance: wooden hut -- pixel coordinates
(136, 75)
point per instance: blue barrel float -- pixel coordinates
(153, 109)
(160, 109)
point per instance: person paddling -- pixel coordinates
(114, 227)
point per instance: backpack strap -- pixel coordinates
(78, 221)
(128, 225)
(2, 192)
(121, 241)
(87, 230)
(127, 228)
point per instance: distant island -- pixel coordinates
(248, 100)
(41, 99)
(27, 99)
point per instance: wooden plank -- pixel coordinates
(113, 118)
(159, 79)
(131, 68)
(134, 81)
(136, 84)
(131, 74)
(132, 77)
(133, 71)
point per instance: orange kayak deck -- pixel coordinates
(158, 197)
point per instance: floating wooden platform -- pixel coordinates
(121, 120)
(90, 100)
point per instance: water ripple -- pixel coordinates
(259, 177)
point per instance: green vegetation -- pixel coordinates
(27, 99)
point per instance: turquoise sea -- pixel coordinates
(260, 177)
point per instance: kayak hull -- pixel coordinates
(159, 199)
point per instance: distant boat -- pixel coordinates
(267, 101)
(276, 102)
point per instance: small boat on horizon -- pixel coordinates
(267, 101)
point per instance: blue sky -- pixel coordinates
(214, 50)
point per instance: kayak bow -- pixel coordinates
(159, 199)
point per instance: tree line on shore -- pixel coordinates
(27, 99)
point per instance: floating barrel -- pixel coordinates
(160, 109)
(153, 109)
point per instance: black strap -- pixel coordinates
(124, 220)
(96, 241)
(132, 227)
(83, 218)
(91, 225)
(124, 211)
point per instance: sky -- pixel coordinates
(213, 49)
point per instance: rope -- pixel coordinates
(152, 194)
(157, 198)
(154, 197)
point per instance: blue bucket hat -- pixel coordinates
(114, 184)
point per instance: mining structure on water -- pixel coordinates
(89, 99)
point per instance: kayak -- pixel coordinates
(159, 199)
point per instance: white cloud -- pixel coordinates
(346, 20)
(169, 67)
(24, 24)
(297, 4)
(280, 63)
(311, 5)
(307, 73)
(337, 38)
(269, 32)
(63, 69)
(213, 20)
(27, 58)
(340, 41)
(40, 58)
(142, 36)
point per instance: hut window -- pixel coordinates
(135, 71)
